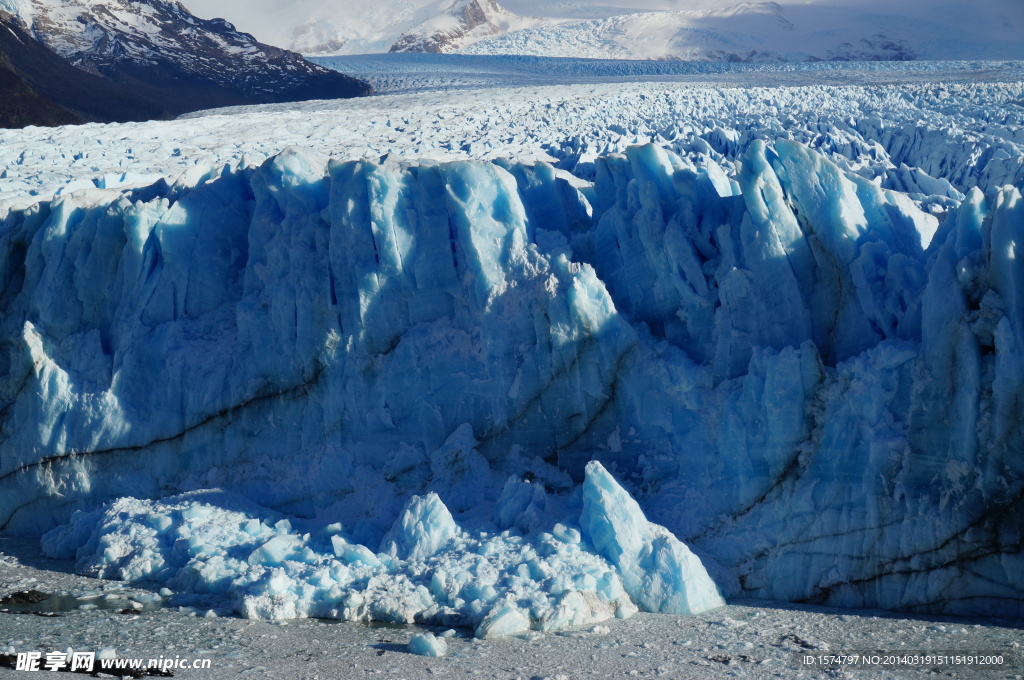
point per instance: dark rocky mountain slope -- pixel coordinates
(118, 61)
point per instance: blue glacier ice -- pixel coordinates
(504, 621)
(807, 379)
(658, 571)
(423, 528)
(211, 545)
(427, 644)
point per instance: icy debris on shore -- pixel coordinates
(426, 644)
(429, 570)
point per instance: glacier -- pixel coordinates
(808, 382)
(871, 118)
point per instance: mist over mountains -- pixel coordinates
(716, 30)
(121, 61)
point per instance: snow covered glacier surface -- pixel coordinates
(803, 376)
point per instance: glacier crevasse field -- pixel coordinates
(810, 381)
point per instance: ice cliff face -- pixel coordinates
(808, 379)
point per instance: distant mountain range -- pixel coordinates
(641, 29)
(464, 23)
(118, 60)
(770, 31)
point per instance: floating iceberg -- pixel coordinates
(798, 372)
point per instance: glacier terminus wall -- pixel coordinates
(808, 379)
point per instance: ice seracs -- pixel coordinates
(806, 376)
(658, 571)
(421, 530)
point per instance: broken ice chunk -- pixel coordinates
(276, 550)
(426, 644)
(424, 526)
(353, 553)
(503, 621)
(658, 571)
(522, 505)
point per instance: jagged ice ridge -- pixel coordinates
(806, 377)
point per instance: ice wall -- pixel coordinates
(805, 377)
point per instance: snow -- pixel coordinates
(23, 9)
(429, 364)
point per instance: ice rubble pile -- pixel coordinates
(800, 373)
(428, 569)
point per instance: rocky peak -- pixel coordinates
(464, 22)
(164, 54)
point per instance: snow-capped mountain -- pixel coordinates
(324, 27)
(327, 27)
(84, 96)
(640, 29)
(770, 31)
(461, 25)
(157, 51)
(579, 9)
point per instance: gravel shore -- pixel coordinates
(744, 640)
